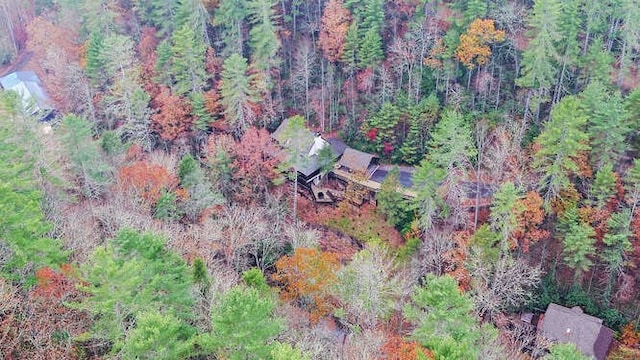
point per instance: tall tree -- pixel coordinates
(263, 37)
(578, 242)
(608, 123)
(451, 145)
(187, 61)
(505, 211)
(539, 66)
(426, 180)
(230, 16)
(333, 33)
(391, 202)
(236, 92)
(86, 159)
(562, 138)
(130, 276)
(445, 320)
(23, 227)
(244, 325)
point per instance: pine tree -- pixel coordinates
(383, 124)
(201, 116)
(505, 211)
(604, 185)
(390, 200)
(244, 325)
(94, 58)
(608, 123)
(617, 247)
(445, 321)
(263, 37)
(236, 93)
(426, 181)
(85, 156)
(187, 61)
(538, 60)
(370, 52)
(560, 142)
(129, 277)
(230, 15)
(578, 242)
(158, 336)
(451, 143)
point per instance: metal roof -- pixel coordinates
(356, 160)
(28, 85)
(573, 326)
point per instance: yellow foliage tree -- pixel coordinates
(474, 47)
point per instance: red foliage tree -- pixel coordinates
(255, 161)
(333, 33)
(173, 117)
(148, 57)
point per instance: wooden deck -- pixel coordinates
(372, 185)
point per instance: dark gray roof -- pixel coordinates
(28, 85)
(356, 160)
(311, 143)
(573, 326)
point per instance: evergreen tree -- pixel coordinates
(201, 116)
(370, 51)
(391, 202)
(607, 124)
(351, 46)
(451, 143)
(230, 16)
(85, 156)
(94, 58)
(505, 212)
(538, 60)
(236, 93)
(158, 13)
(23, 227)
(426, 180)
(604, 185)
(158, 336)
(560, 142)
(244, 325)
(383, 125)
(578, 242)
(617, 247)
(263, 37)
(445, 321)
(187, 61)
(129, 277)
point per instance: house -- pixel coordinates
(572, 325)
(27, 84)
(309, 165)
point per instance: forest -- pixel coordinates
(153, 216)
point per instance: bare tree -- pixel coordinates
(303, 71)
(507, 284)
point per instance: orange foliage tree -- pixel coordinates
(474, 44)
(172, 118)
(148, 180)
(398, 349)
(528, 230)
(307, 276)
(333, 33)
